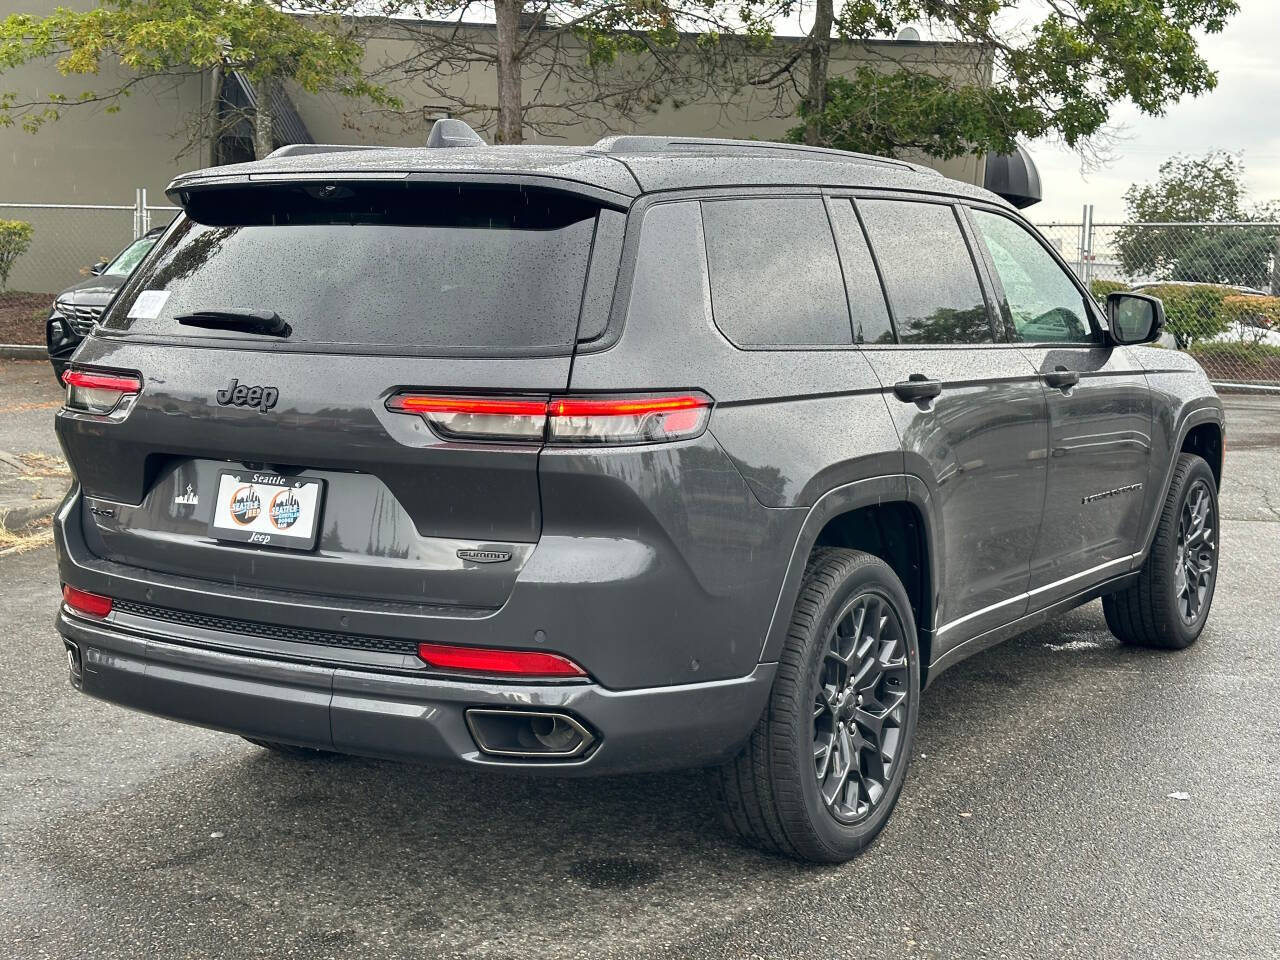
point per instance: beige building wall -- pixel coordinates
(91, 157)
(750, 112)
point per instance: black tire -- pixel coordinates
(1164, 609)
(771, 794)
(290, 750)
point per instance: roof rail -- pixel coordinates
(629, 143)
(306, 149)
(446, 132)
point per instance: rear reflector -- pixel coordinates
(647, 418)
(98, 392)
(89, 604)
(507, 663)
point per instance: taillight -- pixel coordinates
(89, 604)
(491, 418)
(511, 663)
(622, 419)
(648, 419)
(97, 392)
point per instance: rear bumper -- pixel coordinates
(408, 717)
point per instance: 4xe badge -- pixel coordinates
(236, 394)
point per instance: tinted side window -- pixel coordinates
(1044, 305)
(866, 299)
(775, 279)
(928, 272)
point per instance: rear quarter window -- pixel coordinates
(775, 278)
(426, 269)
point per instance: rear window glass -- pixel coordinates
(420, 268)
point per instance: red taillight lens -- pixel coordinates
(507, 663)
(97, 392)
(648, 418)
(89, 604)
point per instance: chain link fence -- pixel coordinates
(1220, 284)
(46, 248)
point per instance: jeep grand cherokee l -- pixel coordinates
(656, 453)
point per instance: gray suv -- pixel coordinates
(657, 453)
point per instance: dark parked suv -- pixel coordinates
(77, 308)
(657, 453)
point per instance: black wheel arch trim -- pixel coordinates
(1189, 419)
(868, 492)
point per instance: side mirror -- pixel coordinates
(98, 267)
(1134, 317)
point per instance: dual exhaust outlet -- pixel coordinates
(529, 734)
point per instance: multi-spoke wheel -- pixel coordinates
(860, 707)
(1168, 605)
(824, 767)
(1197, 551)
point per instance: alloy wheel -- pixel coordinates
(860, 707)
(1197, 552)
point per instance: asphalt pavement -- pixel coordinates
(1037, 819)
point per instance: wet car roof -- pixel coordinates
(626, 166)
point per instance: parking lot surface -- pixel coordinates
(1036, 821)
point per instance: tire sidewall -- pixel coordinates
(1186, 633)
(839, 839)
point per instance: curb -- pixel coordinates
(22, 351)
(15, 519)
(1254, 388)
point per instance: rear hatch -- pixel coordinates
(271, 329)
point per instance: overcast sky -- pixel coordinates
(1241, 115)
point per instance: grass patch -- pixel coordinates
(31, 537)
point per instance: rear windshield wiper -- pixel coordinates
(263, 322)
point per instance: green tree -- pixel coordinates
(15, 240)
(1198, 191)
(153, 39)
(1059, 76)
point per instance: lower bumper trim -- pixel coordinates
(420, 719)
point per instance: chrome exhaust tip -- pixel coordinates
(528, 734)
(74, 669)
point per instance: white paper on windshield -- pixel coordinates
(148, 305)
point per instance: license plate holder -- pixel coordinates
(267, 509)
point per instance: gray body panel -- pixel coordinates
(669, 572)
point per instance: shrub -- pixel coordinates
(15, 239)
(1252, 317)
(1100, 288)
(1235, 358)
(1193, 313)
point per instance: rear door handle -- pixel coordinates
(917, 387)
(1061, 377)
